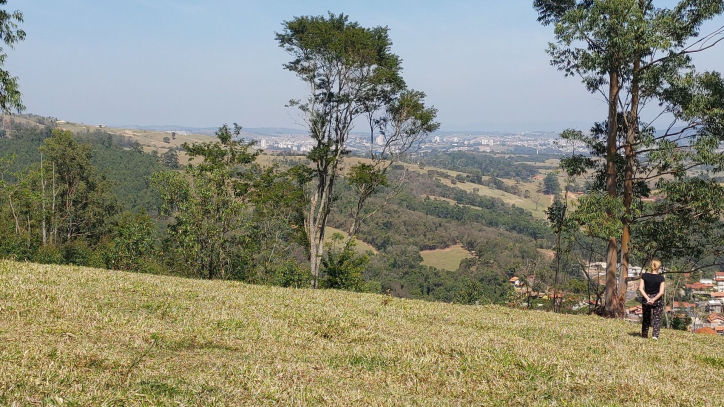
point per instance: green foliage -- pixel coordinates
(551, 186)
(490, 288)
(133, 243)
(681, 323)
(477, 165)
(83, 196)
(206, 203)
(10, 33)
(342, 266)
(170, 159)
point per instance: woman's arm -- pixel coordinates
(641, 290)
(661, 292)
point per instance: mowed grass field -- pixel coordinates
(361, 247)
(150, 140)
(446, 259)
(82, 337)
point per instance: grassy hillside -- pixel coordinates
(79, 336)
(538, 211)
(445, 259)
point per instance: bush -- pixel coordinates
(79, 253)
(343, 267)
(49, 254)
(292, 274)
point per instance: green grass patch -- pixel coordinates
(712, 361)
(445, 259)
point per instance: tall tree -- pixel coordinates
(78, 197)
(10, 35)
(635, 55)
(350, 73)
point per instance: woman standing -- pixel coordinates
(652, 288)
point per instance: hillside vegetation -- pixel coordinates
(82, 336)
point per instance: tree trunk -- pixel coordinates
(611, 296)
(632, 130)
(53, 215)
(315, 224)
(42, 201)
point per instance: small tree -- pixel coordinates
(551, 186)
(166, 140)
(206, 202)
(170, 159)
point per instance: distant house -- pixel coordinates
(719, 330)
(683, 305)
(714, 306)
(637, 310)
(719, 280)
(515, 281)
(100, 126)
(61, 122)
(715, 319)
(634, 271)
(700, 286)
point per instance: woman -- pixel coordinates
(652, 288)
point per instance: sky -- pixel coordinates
(203, 63)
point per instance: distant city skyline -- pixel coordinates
(201, 64)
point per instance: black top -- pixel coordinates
(652, 283)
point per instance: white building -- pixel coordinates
(262, 143)
(380, 140)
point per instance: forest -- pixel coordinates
(97, 199)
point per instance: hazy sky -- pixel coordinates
(203, 63)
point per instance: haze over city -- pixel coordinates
(482, 64)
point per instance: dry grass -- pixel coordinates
(79, 336)
(446, 259)
(360, 247)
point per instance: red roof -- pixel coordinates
(715, 317)
(678, 304)
(699, 286)
(719, 328)
(717, 295)
(719, 274)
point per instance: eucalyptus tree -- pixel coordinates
(637, 56)
(351, 75)
(10, 35)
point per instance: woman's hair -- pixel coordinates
(655, 264)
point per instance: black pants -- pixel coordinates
(652, 312)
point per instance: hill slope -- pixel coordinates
(79, 336)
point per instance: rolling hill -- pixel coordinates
(81, 336)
